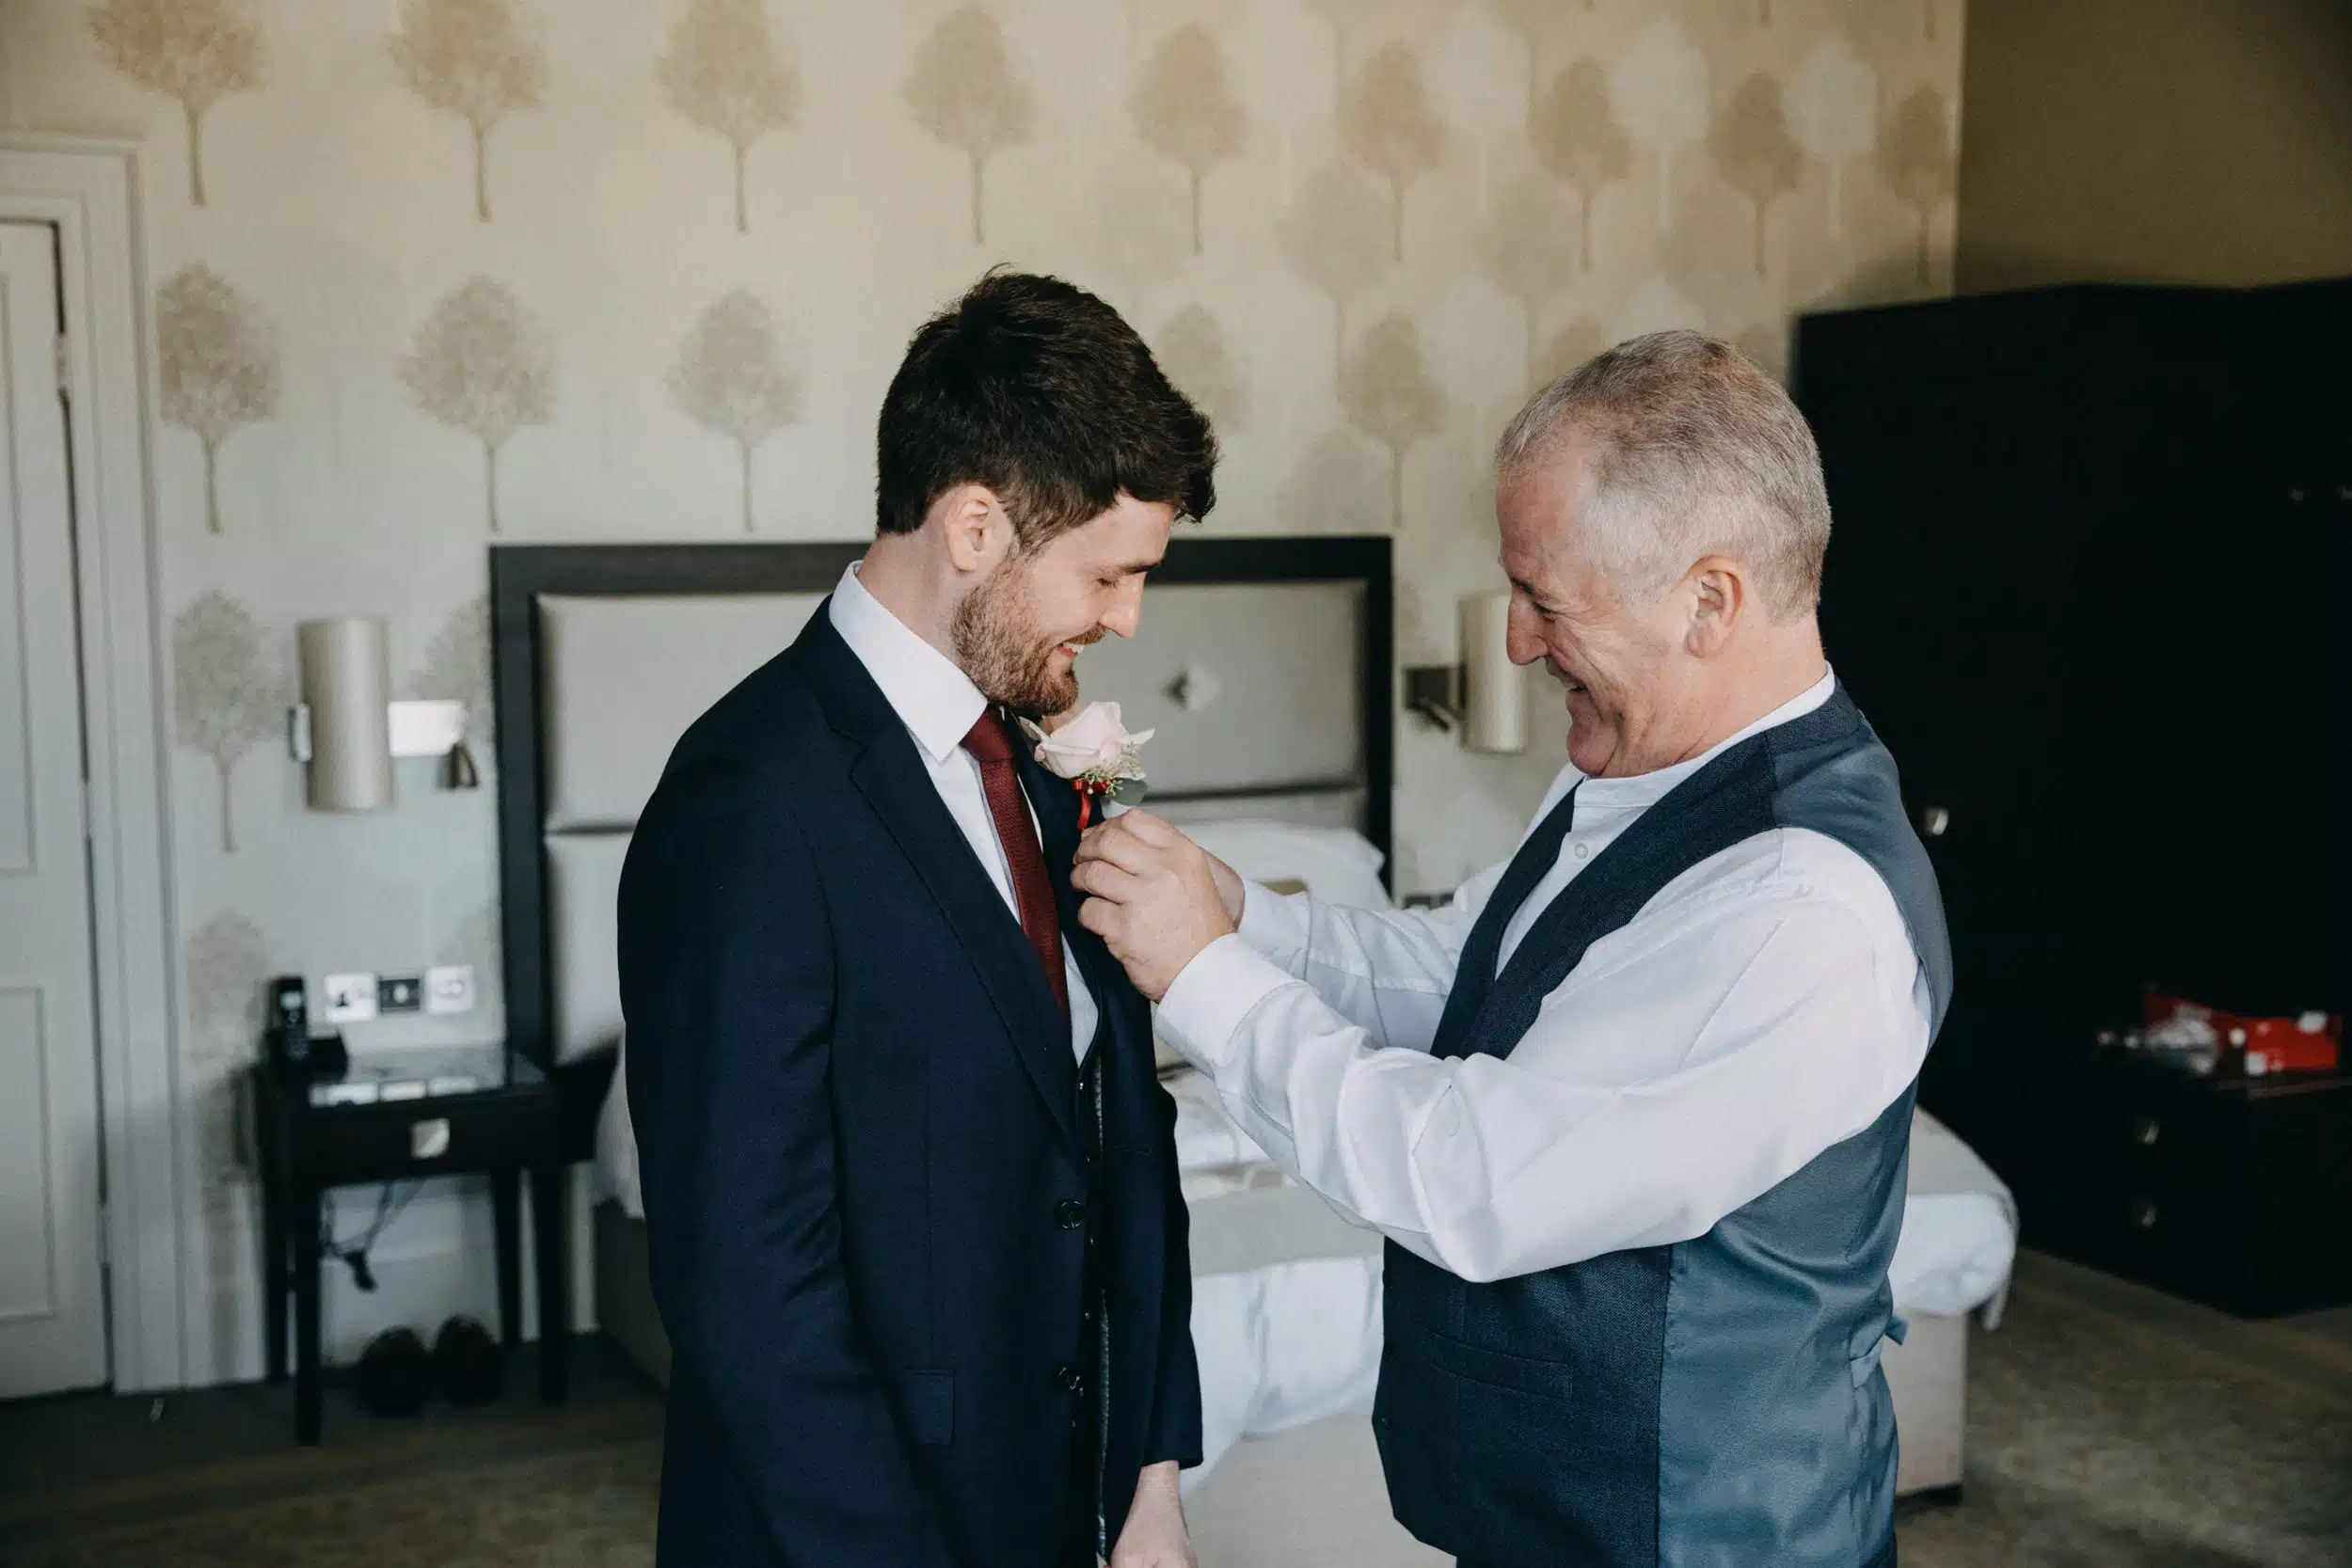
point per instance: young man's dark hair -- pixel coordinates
(1041, 392)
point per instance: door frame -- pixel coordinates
(90, 190)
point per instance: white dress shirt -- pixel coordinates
(1762, 1007)
(938, 704)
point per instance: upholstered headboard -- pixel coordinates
(1264, 663)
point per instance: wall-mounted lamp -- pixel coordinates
(348, 729)
(1485, 696)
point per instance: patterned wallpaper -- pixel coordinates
(430, 273)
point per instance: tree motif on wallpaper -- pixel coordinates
(1186, 107)
(1336, 487)
(476, 59)
(1526, 19)
(226, 694)
(1526, 246)
(229, 964)
(195, 51)
(734, 377)
(1660, 84)
(482, 365)
(1335, 235)
(1134, 237)
(1468, 66)
(1386, 121)
(965, 90)
(726, 72)
(1343, 17)
(1568, 348)
(1386, 392)
(1833, 106)
(1193, 351)
(1754, 151)
(1578, 140)
(1914, 157)
(458, 664)
(216, 364)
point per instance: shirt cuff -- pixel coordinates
(1276, 924)
(1212, 995)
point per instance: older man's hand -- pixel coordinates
(1153, 896)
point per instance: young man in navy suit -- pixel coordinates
(910, 1177)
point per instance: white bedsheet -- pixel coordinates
(1286, 1343)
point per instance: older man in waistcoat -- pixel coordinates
(1634, 1112)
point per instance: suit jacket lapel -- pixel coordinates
(1057, 806)
(890, 773)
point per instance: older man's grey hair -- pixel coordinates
(1693, 451)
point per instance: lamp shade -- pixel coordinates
(1494, 689)
(346, 684)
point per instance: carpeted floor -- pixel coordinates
(2107, 1426)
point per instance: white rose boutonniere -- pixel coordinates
(1096, 753)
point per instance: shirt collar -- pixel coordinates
(1643, 789)
(936, 701)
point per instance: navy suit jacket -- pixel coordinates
(859, 1136)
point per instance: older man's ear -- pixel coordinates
(1720, 599)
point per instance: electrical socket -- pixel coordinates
(350, 998)
(400, 993)
(449, 989)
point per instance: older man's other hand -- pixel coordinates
(1153, 896)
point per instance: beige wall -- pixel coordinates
(2178, 141)
(1385, 256)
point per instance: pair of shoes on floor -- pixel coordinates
(395, 1373)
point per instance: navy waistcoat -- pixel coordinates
(1716, 1402)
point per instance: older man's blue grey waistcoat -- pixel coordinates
(1716, 1402)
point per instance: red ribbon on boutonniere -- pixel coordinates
(1095, 751)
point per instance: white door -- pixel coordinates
(52, 1308)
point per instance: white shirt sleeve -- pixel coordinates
(1385, 970)
(1661, 1088)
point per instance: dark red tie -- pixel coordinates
(1031, 888)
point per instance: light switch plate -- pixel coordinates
(449, 989)
(350, 998)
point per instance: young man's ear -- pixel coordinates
(973, 523)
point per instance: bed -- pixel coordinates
(1267, 665)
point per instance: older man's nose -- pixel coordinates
(1521, 638)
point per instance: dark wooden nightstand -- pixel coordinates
(2236, 1193)
(510, 1127)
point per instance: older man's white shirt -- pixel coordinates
(1764, 1006)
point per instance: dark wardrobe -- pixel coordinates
(2090, 576)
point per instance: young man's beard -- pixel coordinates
(1003, 652)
